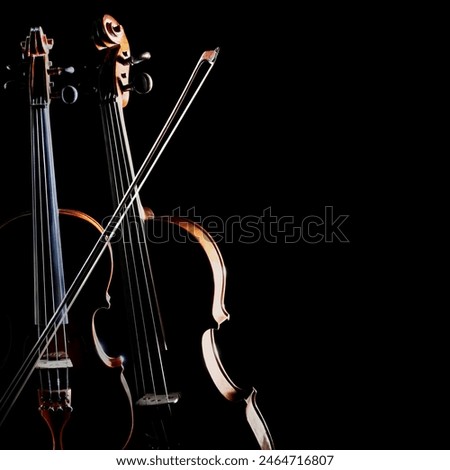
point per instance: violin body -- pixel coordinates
(201, 418)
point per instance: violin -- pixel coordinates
(170, 408)
(74, 385)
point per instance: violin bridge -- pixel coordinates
(151, 399)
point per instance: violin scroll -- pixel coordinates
(115, 83)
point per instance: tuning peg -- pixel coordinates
(142, 84)
(68, 94)
(140, 58)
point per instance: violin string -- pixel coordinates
(143, 256)
(128, 241)
(114, 173)
(139, 254)
(139, 259)
(135, 259)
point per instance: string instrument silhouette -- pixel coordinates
(46, 415)
(164, 418)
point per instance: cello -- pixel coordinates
(46, 414)
(166, 417)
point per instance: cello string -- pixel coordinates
(47, 196)
(56, 257)
(54, 266)
(43, 219)
(24, 373)
(36, 189)
(44, 228)
(47, 242)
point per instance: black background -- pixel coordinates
(295, 116)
